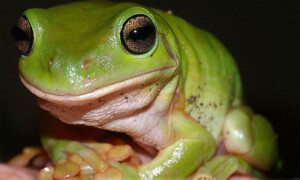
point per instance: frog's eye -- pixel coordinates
(138, 34)
(22, 35)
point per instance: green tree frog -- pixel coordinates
(123, 67)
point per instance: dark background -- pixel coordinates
(263, 36)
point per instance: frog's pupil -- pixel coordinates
(141, 33)
(18, 34)
(22, 35)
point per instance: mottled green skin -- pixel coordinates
(203, 89)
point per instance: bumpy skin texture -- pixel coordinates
(183, 97)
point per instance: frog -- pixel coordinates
(169, 85)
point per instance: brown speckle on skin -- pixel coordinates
(126, 97)
(201, 104)
(86, 63)
(121, 94)
(215, 105)
(99, 101)
(51, 62)
(192, 99)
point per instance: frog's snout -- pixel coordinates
(22, 35)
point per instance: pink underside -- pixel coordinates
(8, 172)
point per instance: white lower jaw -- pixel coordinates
(125, 106)
(98, 93)
(135, 112)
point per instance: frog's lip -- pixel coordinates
(97, 93)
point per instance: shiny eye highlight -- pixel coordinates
(22, 35)
(138, 34)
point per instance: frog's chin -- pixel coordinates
(139, 81)
(133, 106)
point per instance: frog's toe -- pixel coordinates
(251, 137)
(30, 156)
(237, 132)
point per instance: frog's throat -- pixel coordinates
(100, 92)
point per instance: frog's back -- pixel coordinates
(209, 76)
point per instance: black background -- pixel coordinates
(263, 36)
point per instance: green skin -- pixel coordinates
(189, 85)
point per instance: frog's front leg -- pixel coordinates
(251, 137)
(61, 140)
(192, 146)
(60, 148)
(89, 157)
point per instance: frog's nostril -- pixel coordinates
(22, 35)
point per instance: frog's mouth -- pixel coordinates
(139, 81)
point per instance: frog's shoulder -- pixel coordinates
(210, 80)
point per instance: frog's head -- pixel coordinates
(95, 53)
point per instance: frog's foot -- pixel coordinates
(34, 157)
(91, 160)
(77, 168)
(251, 137)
